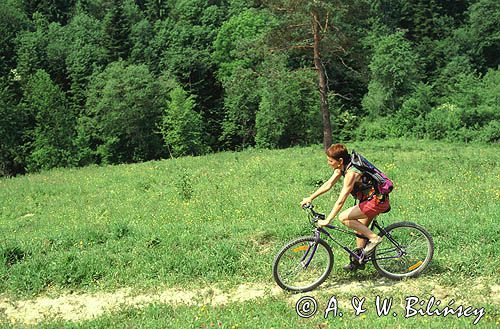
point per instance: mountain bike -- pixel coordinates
(305, 263)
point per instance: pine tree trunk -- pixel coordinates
(325, 113)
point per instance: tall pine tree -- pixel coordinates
(117, 30)
(312, 27)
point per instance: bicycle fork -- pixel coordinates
(310, 251)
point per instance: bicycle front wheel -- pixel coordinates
(302, 264)
(405, 252)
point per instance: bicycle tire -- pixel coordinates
(279, 260)
(413, 262)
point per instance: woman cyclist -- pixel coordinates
(359, 216)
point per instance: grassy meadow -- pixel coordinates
(221, 218)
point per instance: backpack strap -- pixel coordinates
(357, 162)
(349, 165)
(343, 171)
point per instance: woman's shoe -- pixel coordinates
(372, 244)
(354, 266)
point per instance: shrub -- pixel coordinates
(470, 108)
(182, 127)
(376, 128)
(410, 119)
(491, 132)
(443, 121)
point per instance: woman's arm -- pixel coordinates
(323, 188)
(350, 179)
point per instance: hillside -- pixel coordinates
(220, 219)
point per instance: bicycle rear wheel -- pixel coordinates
(408, 256)
(302, 264)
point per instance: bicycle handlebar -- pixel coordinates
(307, 206)
(315, 216)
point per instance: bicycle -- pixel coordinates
(405, 252)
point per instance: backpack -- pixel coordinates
(382, 183)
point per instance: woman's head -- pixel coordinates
(337, 156)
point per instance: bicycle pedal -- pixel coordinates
(361, 260)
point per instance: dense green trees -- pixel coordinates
(13, 123)
(480, 37)
(117, 31)
(238, 50)
(13, 20)
(394, 73)
(54, 10)
(86, 54)
(289, 109)
(49, 141)
(111, 81)
(312, 27)
(123, 108)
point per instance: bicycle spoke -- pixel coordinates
(416, 243)
(416, 250)
(294, 271)
(291, 268)
(412, 241)
(386, 251)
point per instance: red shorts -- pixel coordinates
(373, 207)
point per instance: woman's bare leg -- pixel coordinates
(355, 219)
(361, 243)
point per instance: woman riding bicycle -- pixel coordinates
(359, 216)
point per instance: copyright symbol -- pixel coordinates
(306, 307)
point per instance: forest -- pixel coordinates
(87, 82)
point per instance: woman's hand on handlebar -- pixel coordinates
(306, 201)
(325, 221)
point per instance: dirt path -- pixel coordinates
(80, 307)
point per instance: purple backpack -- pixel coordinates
(382, 183)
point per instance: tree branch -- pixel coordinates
(326, 23)
(291, 47)
(347, 66)
(302, 47)
(340, 95)
(297, 25)
(315, 19)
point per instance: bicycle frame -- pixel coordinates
(361, 258)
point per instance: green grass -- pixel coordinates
(221, 218)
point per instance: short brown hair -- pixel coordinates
(338, 151)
